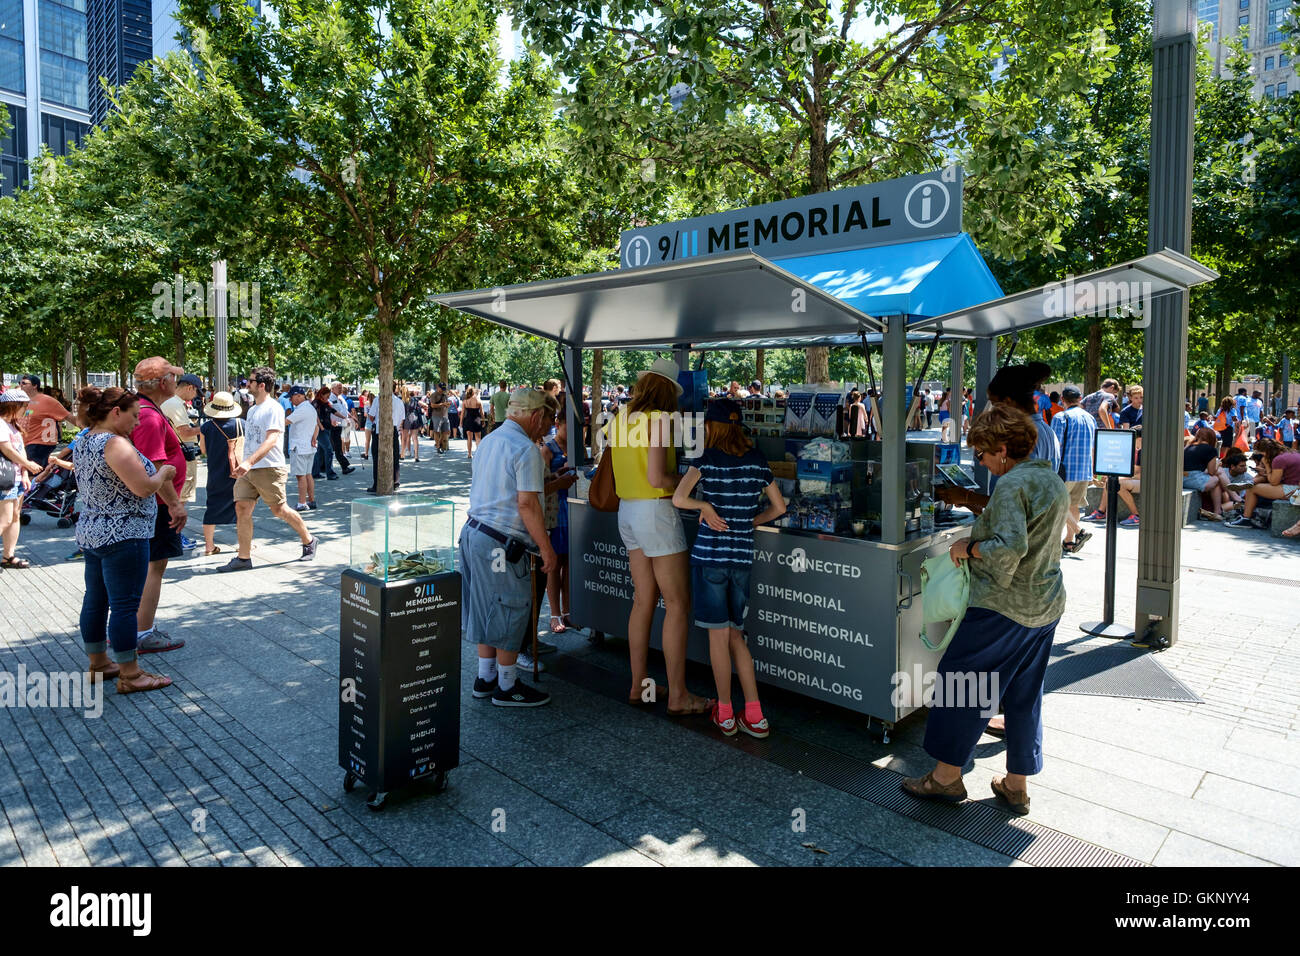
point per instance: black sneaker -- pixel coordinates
(309, 550)
(1241, 521)
(521, 695)
(237, 564)
(333, 477)
(348, 471)
(485, 688)
(311, 505)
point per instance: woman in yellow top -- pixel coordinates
(645, 476)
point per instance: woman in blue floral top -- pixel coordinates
(116, 486)
(1016, 598)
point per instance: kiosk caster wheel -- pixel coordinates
(349, 781)
(596, 637)
(64, 523)
(377, 802)
(439, 782)
(25, 519)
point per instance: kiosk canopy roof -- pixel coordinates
(1130, 285)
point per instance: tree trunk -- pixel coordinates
(1092, 366)
(81, 363)
(444, 359)
(270, 356)
(759, 361)
(178, 340)
(123, 349)
(1227, 373)
(384, 453)
(56, 367)
(817, 365)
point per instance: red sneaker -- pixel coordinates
(759, 730)
(727, 727)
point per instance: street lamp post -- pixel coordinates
(1173, 108)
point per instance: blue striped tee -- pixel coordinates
(734, 486)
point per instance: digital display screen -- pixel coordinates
(1114, 452)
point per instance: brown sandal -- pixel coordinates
(706, 707)
(1017, 800)
(927, 788)
(146, 680)
(107, 672)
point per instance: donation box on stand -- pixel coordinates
(399, 647)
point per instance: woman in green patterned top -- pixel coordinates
(1001, 650)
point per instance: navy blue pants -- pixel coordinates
(324, 462)
(115, 577)
(988, 644)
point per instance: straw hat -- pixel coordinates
(14, 395)
(665, 368)
(223, 405)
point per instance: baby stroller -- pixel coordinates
(56, 495)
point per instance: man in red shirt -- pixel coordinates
(156, 439)
(41, 423)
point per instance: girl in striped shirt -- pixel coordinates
(731, 479)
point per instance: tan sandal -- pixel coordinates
(927, 788)
(106, 672)
(1017, 800)
(145, 682)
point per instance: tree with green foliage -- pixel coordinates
(374, 140)
(788, 98)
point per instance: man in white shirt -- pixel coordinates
(304, 427)
(337, 420)
(263, 472)
(372, 425)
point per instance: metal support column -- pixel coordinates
(956, 378)
(893, 525)
(219, 364)
(577, 449)
(1173, 104)
(986, 363)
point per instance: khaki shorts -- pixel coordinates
(264, 483)
(191, 479)
(1078, 494)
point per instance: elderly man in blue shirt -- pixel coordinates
(1076, 430)
(504, 527)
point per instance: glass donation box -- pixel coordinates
(403, 537)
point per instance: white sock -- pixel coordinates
(141, 634)
(506, 676)
(487, 668)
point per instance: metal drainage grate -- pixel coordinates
(981, 823)
(1112, 669)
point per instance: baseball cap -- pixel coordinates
(724, 410)
(527, 399)
(190, 379)
(154, 368)
(1071, 393)
(297, 390)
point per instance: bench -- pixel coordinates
(1191, 507)
(1285, 515)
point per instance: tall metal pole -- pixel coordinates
(219, 364)
(1286, 383)
(956, 379)
(986, 360)
(1173, 106)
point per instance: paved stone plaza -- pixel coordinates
(236, 763)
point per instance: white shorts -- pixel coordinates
(651, 525)
(300, 462)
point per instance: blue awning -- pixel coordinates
(925, 278)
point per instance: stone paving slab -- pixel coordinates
(246, 738)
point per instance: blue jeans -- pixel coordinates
(115, 577)
(324, 464)
(719, 596)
